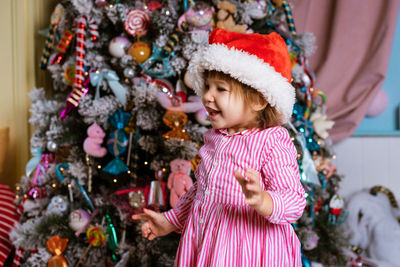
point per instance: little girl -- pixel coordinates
(248, 191)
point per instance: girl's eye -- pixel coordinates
(220, 89)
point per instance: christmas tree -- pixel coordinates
(121, 109)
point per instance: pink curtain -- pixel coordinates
(354, 40)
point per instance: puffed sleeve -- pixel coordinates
(281, 178)
(178, 215)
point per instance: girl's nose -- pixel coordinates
(207, 96)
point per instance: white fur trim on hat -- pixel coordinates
(246, 68)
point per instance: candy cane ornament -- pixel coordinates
(80, 85)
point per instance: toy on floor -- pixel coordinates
(373, 224)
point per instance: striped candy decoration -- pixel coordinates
(93, 29)
(289, 17)
(48, 46)
(137, 22)
(80, 52)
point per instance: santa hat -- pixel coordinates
(260, 61)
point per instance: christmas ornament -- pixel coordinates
(112, 240)
(260, 10)
(96, 238)
(154, 5)
(140, 51)
(198, 17)
(112, 79)
(34, 161)
(336, 216)
(56, 245)
(63, 46)
(137, 22)
(309, 239)
(78, 219)
(162, 55)
(321, 124)
(129, 73)
(117, 142)
(176, 120)
(79, 86)
(51, 146)
(69, 74)
(92, 144)
(74, 97)
(130, 128)
(58, 205)
(289, 17)
(179, 180)
(156, 192)
(55, 19)
(118, 46)
(89, 164)
(137, 199)
(101, 3)
(336, 204)
(59, 172)
(307, 169)
(37, 192)
(181, 90)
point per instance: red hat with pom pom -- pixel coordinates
(260, 61)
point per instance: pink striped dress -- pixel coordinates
(218, 228)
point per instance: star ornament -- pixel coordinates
(321, 124)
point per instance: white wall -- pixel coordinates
(368, 161)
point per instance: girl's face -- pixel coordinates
(225, 108)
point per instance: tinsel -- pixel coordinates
(97, 110)
(181, 149)
(79, 170)
(42, 110)
(196, 131)
(148, 118)
(149, 143)
(39, 258)
(83, 6)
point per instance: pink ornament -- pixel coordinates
(78, 219)
(198, 17)
(154, 5)
(92, 144)
(179, 180)
(378, 104)
(137, 22)
(37, 192)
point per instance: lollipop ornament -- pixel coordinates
(96, 238)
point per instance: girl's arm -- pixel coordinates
(282, 179)
(178, 215)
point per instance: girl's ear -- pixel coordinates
(260, 104)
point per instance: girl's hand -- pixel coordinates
(156, 224)
(256, 197)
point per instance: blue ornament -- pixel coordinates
(158, 55)
(117, 142)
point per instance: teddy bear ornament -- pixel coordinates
(179, 180)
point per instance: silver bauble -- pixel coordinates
(51, 146)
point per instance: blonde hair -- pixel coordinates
(267, 117)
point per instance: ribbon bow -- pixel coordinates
(34, 161)
(112, 78)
